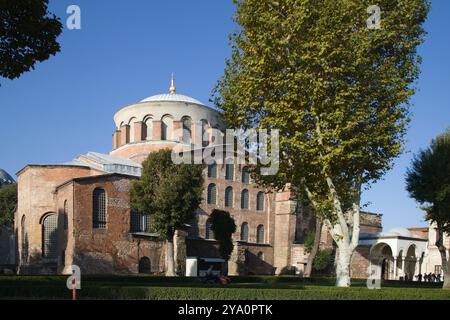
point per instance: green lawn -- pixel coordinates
(160, 288)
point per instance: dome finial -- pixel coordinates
(172, 85)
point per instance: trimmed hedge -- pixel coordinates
(215, 293)
(248, 287)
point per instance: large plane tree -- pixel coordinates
(428, 182)
(28, 34)
(336, 88)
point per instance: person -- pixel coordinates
(430, 277)
(425, 277)
(419, 277)
(406, 277)
(438, 278)
(433, 278)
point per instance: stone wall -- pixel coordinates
(113, 249)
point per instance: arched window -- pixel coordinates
(140, 222)
(229, 171)
(229, 197)
(144, 265)
(212, 191)
(131, 123)
(261, 256)
(205, 132)
(212, 171)
(209, 233)
(187, 122)
(244, 232)
(245, 175)
(244, 199)
(65, 214)
(24, 242)
(166, 128)
(260, 201)
(148, 128)
(50, 236)
(260, 234)
(99, 209)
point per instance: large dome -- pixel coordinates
(5, 178)
(175, 97)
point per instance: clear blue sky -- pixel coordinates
(127, 50)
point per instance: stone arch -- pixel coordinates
(131, 123)
(148, 127)
(205, 131)
(186, 122)
(382, 261)
(144, 265)
(166, 127)
(49, 232)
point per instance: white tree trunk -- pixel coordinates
(170, 260)
(343, 265)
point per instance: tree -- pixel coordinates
(428, 182)
(323, 259)
(28, 35)
(170, 194)
(337, 91)
(8, 203)
(223, 226)
(312, 243)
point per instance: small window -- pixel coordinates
(229, 171)
(245, 175)
(144, 265)
(50, 236)
(244, 199)
(24, 236)
(186, 129)
(140, 222)
(212, 171)
(260, 234)
(260, 201)
(209, 233)
(212, 194)
(66, 218)
(244, 232)
(99, 209)
(229, 197)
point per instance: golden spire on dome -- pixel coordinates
(172, 85)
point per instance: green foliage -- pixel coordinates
(170, 193)
(323, 259)
(28, 35)
(223, 226)
(241, 288)
(309, 241)
(8, 203)
(337, 91)
(428, 180)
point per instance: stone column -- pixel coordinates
(395, 268)
(417, 269)
(180, 252)
(138, 131)
(177, 134)
(156, 133)
(403, 267)
(124, 134)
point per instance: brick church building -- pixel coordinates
(78, 213)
